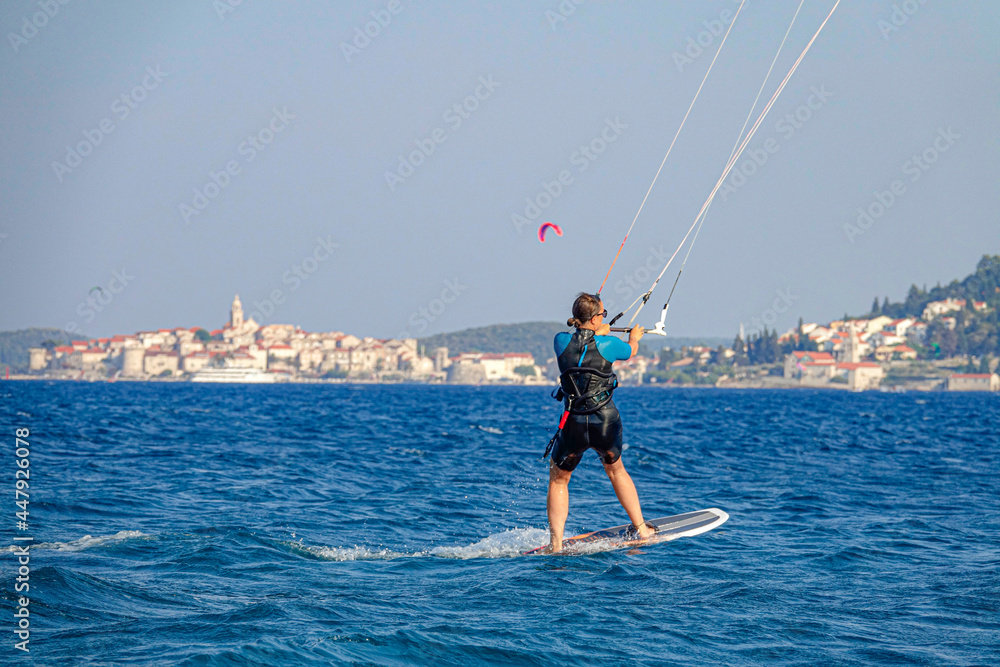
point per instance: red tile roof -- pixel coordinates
(853, 365)
(816, 356)
(972, 376)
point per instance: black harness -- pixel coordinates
(584, 390)
(586, 383)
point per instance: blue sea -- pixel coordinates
(181, 524)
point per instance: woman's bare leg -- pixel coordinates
(627, 496)
(557, 505)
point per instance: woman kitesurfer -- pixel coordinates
(586, 384)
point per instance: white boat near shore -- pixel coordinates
(243, 375)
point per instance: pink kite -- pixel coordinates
(548, 225)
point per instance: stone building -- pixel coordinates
(133, 362)
(862, 375)
(441, 361)
(195, 361)
(38, 358)
(156, 362)
(974, 382)
(809, 366)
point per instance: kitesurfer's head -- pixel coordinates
(587, 307)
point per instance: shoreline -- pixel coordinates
(744, 385)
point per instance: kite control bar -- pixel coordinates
(657, 328)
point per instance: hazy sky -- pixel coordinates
(175, 153)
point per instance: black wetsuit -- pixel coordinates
(593, 422)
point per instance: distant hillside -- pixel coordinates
(976, 333)
(982, 285)
(532, 337)
(536, 339)
(14, 345)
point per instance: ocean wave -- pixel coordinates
(89, 542)
(357, 552)
(507, 544)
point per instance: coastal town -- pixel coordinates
(860, 354)
(876, 353)
(244, 351)
(880, 352)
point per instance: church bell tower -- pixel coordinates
(236, 313)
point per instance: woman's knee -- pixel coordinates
(614, 469)
(559, 476)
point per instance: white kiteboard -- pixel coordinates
(667, 528)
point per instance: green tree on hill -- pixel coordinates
(740, 352)
(946, 340)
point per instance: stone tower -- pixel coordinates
(851, 350)
(236, 313)
(37, 358)
(132, 363)
(440, 359)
